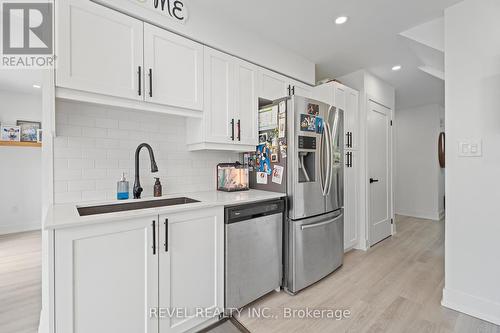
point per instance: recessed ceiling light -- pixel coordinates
(341, 20)
(36, 86)
(397, 68)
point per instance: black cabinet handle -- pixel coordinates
(166, 235)
(293, 90)
(349, 160)
(289, 90)
(232, 129)
(350, 139)
(154, 237)
(239, 130)
(139, 74)
(150, 82)
(373, 180)
(347, 138)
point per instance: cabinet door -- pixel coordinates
(340, 96)
(191, 266)
(324, 93)
(351, 117)
(272, 85)
(99, 50)
(107, 277)
(247, 103)
(301, 89)
(174, 69)
(351, 195)
(220, 123)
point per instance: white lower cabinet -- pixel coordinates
(106, 278)
(351, 194)
(191, 267)
(123, 276)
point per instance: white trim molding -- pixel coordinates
(472, 305)
(15, 228)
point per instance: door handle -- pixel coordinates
(319, 224)
(349, 160)
(150, 82)
(166, 235)
(239, 130)
(232, 129)
(139, 74)
(373, 180)
(154, 237)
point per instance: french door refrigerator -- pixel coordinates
(313, 180)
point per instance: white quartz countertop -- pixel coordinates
(66, 215)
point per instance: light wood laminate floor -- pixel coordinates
(20, 282)
(394, 287)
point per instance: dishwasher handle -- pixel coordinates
(255, 210)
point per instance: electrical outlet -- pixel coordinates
(470, 149)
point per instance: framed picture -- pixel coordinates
(10, 133)
(28, 130)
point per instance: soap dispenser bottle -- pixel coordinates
(157, 188)
(122, 189)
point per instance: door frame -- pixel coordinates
(367, 226)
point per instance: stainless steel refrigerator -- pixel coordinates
(310, 154)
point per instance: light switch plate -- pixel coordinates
(470, 148)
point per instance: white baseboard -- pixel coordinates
(420, 215)
(474, 306)
(15, 228)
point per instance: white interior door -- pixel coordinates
(379, 157)
(173, 69)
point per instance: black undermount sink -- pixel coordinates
(113, 208)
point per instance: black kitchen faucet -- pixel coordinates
(154, 168)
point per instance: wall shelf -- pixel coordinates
(20, 144)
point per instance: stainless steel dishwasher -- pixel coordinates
(253, 254)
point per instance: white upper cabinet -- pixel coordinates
(352, 118)
(273, 86)
(324, 93)
(173, 69)
(98, 49)
(230, 117)
(107, 277)
(247, 103)
(301, 89)
(219, 97)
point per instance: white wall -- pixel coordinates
(95, 144)
(472, 54)
(20, 175)
(417, 175)
(219, 31)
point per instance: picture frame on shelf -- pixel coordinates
(10, 133)
(39, 134)
(29, 130)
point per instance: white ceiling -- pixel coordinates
(370, 39)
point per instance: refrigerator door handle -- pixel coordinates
(319, 224)
(322, 161)
(328, 159)
(333, 135)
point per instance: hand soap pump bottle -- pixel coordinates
(157, 188)
(122, 189)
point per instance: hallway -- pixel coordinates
(394, 287)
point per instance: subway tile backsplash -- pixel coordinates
(95, 144)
